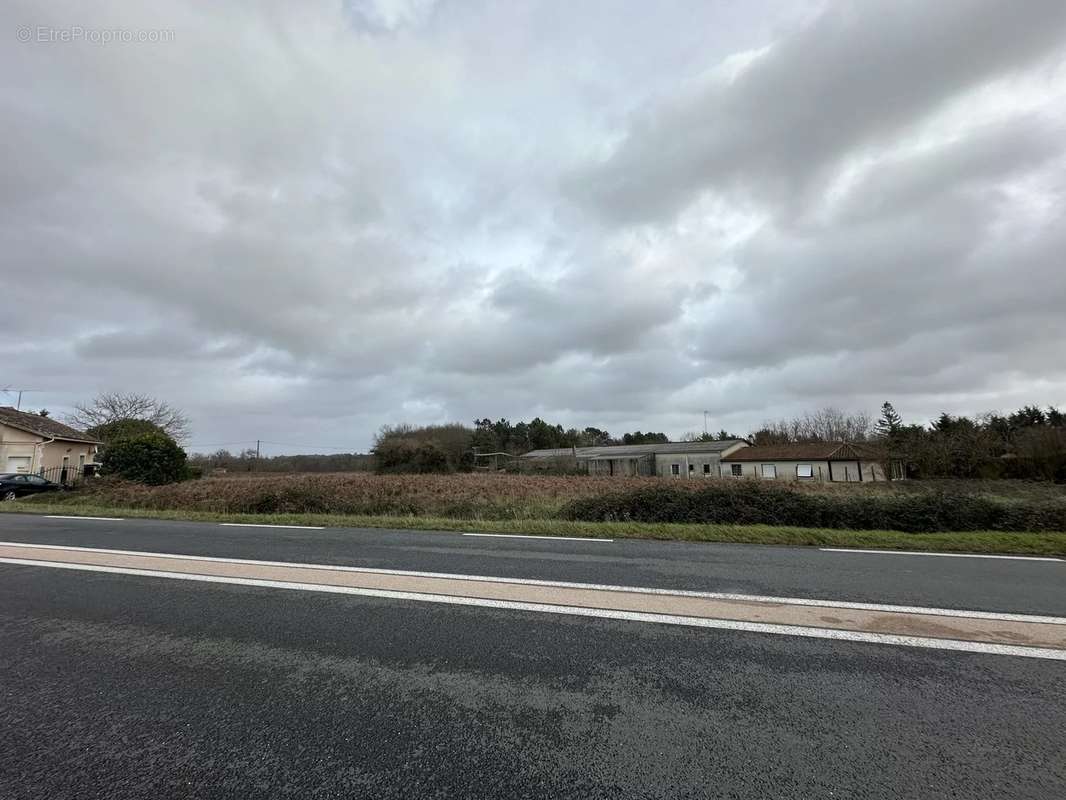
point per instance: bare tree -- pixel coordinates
(825, 425)
(113, 406)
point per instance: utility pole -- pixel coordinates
(257, 455)
(9, 390)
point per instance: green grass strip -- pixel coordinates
(996, 542)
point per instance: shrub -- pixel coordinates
(123, 429)
(434, 448)
(151, 458)
(755, 502)
(411, 455)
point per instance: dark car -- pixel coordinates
(13, 485)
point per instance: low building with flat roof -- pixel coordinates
(666, 459)
(813, 461)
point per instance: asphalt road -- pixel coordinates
(982, 584)
(122, 686)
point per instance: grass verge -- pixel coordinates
(992, 542)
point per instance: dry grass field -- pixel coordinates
(464, 496)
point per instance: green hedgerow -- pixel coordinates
(756, 503)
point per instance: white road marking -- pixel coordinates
(532, 536)
(941, 555)
(634, 616)
(729, 596)
(101, 519)
(264, 525)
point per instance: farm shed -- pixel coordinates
(670, 459)
(838, 462)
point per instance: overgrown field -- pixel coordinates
(906, 506)
(459, 496)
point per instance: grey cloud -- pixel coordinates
(528, 321)
(997, 152)
(859, 74)
(323, 219)
(855, 288)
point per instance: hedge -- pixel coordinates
(749, 502)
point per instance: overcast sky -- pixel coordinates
(300, 221)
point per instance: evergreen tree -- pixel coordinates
(890, 422)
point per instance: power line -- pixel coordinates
(219, 444)
(250, 442)
(313, 446)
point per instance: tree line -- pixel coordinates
(247, 461)
(141, 438)
(1029, 443)
(457, 447)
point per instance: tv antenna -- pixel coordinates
(20, 392)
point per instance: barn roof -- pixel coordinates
(634, 450)
(807, 451)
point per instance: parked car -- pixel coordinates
(14, 485)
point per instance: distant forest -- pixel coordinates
(246, 461)
(1029, 443)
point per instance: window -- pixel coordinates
(675, 469)
(81, 460)
(691, 469)
(706, 469)
(769, 470)
(804, 471)
(736, 470)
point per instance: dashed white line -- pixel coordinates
(941, 555)
(95, 519)
(543, 608)
(265, 525)
(728, 596)
(532, 536)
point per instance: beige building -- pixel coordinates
(30, 443)
(665, 459)
(813, 461)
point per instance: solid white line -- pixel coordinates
(750, 598)
(941, 555)
(264, 525)
(634, 616)
(102, 519)
(532, 536)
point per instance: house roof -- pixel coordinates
(42, 426)
(806, 451)
(634, 450)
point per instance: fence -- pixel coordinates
(69, 475)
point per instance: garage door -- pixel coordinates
(18, 463)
